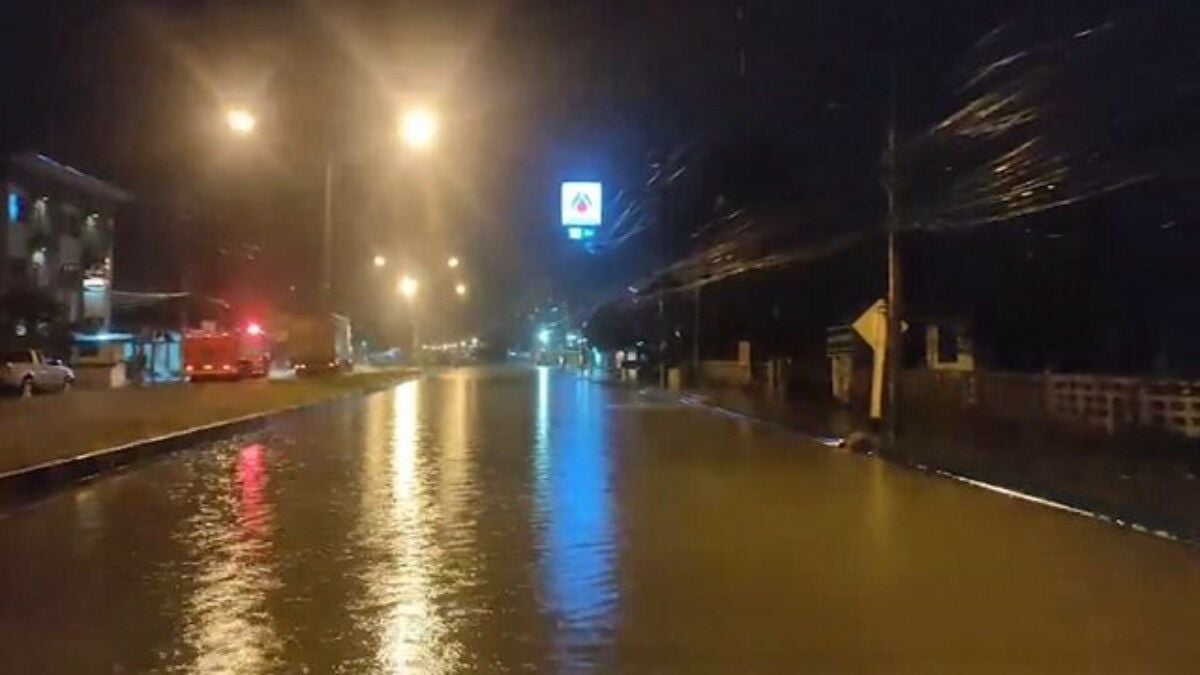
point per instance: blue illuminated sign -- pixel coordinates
(14, 207)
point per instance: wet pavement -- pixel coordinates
(506, 520)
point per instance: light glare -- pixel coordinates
(407, 286)
(418, 128)
(241, 121)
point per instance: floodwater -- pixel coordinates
(504, 520)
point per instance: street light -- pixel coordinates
(241, 121)
(452, 263)
(461, 289)
(418, 128)
(407, 286)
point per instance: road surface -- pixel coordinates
(504, 520)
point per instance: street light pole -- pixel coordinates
(416, 334)
(326, 294)
(408, 286)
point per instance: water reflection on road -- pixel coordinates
(507, 520)
(577, 551)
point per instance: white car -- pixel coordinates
(27, 371)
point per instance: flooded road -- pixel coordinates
(501, 520)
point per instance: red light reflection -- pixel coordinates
(252, 478)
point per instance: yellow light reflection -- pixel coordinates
(404, 443)
(415, 636)
(455, 466)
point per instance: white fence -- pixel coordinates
(1117, 402)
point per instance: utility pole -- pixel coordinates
(663, 338)
(895, 298)
(894, 352)
(696, 332)
(184, 239)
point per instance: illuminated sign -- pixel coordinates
(14, 207)
(581, 204)
(95, 284)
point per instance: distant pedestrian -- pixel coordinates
(139, 367)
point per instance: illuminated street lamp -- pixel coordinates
(241, 121)
(418, 128)
(407, 287)
(461, 289)
(452, 263)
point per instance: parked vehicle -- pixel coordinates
(320, 344)
(211, 355)
(28, 371)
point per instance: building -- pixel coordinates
(57, 245)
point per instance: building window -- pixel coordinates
(947, 344)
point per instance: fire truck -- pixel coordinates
(211, 355)
(226, 354)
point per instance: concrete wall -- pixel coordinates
(724, 374)
(1095, 401)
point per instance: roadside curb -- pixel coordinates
(29, 483)
(1157, 528)
(698, 401)
(1154, 527)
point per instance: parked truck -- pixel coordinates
(317, 344)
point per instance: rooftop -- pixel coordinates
(39, 164)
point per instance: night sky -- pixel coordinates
(530, 93)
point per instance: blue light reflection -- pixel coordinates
(572, 474)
